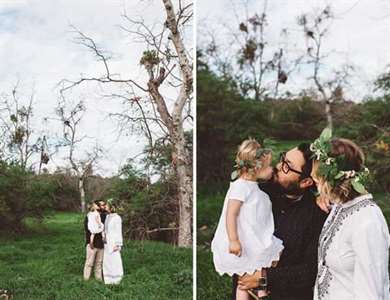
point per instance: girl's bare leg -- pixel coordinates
(261, 293)
(242, 295)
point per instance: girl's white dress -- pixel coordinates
(94, 226)
(112, 261)
(353, 253)
(255, 226)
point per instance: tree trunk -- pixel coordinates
(184, 185)
(174, 124)
(272, 114)
(328, 114)
(82, 194)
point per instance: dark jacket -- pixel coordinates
(298, 224)
(98, 239)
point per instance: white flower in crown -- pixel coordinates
(328, 161)
(312, 147)
(350, 174)
(318, 154)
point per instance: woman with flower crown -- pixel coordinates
(112, 261)
(353, 251)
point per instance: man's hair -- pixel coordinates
(308, 156)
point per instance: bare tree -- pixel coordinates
(15, 124)
(214, 54)
(44, 153)
(174, 120)
(253, 50)
(83, 168)
(260, 67)
(168, 64)
(316, 28)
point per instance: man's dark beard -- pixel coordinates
(293, 188)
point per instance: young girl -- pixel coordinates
(95, 224)
(244, 240)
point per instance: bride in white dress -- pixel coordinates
(353, 251)
(112, 261)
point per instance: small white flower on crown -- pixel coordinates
(349, 174)
(328, 161)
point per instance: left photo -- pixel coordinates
(96, 149)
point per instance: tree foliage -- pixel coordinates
(22, 195)
(226, 117)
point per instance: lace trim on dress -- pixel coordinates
(324, 283)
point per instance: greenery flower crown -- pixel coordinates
(250, 164)
(334, 169)
(111, 202)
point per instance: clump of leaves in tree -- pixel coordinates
(149, 59)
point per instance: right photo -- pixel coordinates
(293, 157)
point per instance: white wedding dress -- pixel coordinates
(112, 261)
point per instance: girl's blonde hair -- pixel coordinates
(354, 159)
(91, 206)
(248, 152)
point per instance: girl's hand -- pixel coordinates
(323, 203)
(235, 248)
(117, 248)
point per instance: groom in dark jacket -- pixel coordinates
(94, 257)
(298, 223)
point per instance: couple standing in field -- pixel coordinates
(310, 230)
(103, 234)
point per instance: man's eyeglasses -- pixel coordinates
(285, 166)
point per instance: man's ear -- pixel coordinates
(306, 182)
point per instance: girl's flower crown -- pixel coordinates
(250, 164)
(333, 168)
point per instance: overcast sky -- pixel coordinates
(37, 48)
(359, 35)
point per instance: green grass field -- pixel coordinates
(47, 263)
